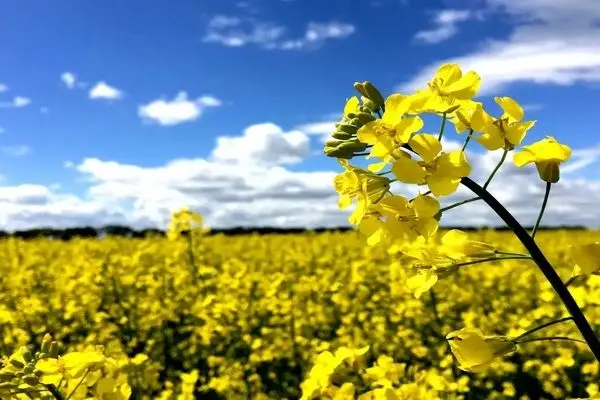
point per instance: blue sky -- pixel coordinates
(101, 99)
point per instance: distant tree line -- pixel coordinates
(124, 231)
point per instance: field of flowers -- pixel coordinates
(253, 317)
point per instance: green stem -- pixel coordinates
(55, 392)
(537, 223)
(489, 180)
(361, 154)
(452, 267)
(571, 280)
(508, 253)
(552, 338)
(384, 173)
(561, 290)
(547, 324)
(460, 203)
(467, 140)
(442, 127)
(78, 384)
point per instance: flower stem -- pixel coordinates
(552, 338)
(467, 140)
(547, 324)
(54, 391)
(571, 280)
(442, 127)
(460, 203)
(537, 223)
(578, 317)
(489, 259)
(489, 180)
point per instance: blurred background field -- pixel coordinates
(238, 317)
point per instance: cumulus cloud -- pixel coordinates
(103, 90)
(247, 180)
(553, 42)
(265, 144)
(176, 111)
(16, 102)
(237, 32)
(445, 22)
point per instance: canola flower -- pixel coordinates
(418, 158)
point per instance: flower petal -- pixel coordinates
(426, 145)
(408, 170)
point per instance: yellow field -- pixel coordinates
(246, 316)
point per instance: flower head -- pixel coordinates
(474, 351)
(547, 154)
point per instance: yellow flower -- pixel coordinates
(547, 154)
(474, 351)
(72, 365)
(439, 170)
(456, 244)
(462, 117)
(360, 185)
(422, 281)
(448, 86)
(586, 257)
(504, 132)
(392, 130)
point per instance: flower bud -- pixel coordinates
(38, 373)
(369, 104)
(8, 385)
(339, 153)
(342, 135)
(373, 94)
(360, 87)
(348, 128)
(548, 171)
(31, 379)
(365, 118)
(354, 146)
(6, 376)
(46, 343)
(27, 356)
(53, 352)
(16, 363)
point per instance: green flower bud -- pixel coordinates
(348, 128)
(29, 369)
(16, 363)
(46, 343)
(356, 121)
(340, 153)
(351, 115)
(27, 356)
(38, 373)
(342, 135)
(360, 87)
(369, 104)
(8, 385)
(353, 146)
(53, 352)
(365, 118)
(373, 94)
(41, 356)
(333, 143)
(19, 374)
(6, 376)
(31, 380)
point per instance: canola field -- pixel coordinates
(266, 317)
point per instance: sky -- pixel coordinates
(118, 112)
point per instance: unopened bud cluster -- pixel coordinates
(345, 143)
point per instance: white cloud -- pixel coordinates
(3, 87)
(176, 111)
(102, 90)
(17, 102)
(445, 22)
(237, 32)
(68, 79)
(553, 42)
(245, 181)
(263, 144)
(16, 151)
(322, 129)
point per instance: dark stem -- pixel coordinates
(559, 287)
(55, 392)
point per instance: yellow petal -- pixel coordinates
(376, 167)
(511, 108)
(426, 145)
(396, 106)
(516, 132)
(441, 185)
(587, 257)
(523, 157)
(448, 73)
(466, 87)
(408, 170)
(426, 227)
(490, 142)
(425, 206)
(367, 133)
(406, 127)
(351, 105)
(422, 282)
(453, 164)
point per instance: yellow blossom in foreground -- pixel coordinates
(456, 244)
(547, 154)
(439, 170)
(474, 351)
